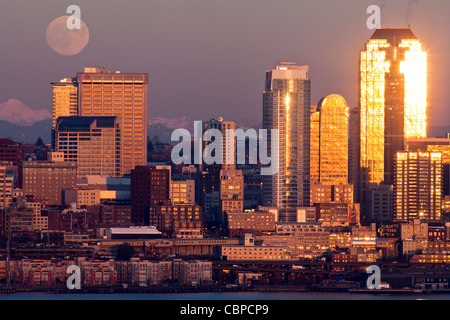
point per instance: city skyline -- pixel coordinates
(317, 175)
(214, 54)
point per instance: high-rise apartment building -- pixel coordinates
(441, 145)
(418, 186)
(65, 101)
(92, 142)
(287, 108)
(123, 95)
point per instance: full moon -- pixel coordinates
(65, 41)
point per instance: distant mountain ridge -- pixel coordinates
(26, 134)
(24, 124)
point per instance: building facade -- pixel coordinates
(329, 141)
(64, 101)
(6, 188)
(418, 186)
(93, 143)
(150, 186)
(392, 106)
(46, 180)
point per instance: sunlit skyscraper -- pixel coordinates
(287, 107)
(65, 101)
(393, 104)
(329, 141)
(393, 99)
(123, 95)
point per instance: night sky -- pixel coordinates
(208, 57)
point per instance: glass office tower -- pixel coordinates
(393, 105)
(393, 99)
(287, 107)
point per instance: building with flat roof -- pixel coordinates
(256, 223)
(182, 191)
(123, 95)
(133, 233)
(418, 186)
(150, 186)
(64, 102)
(46, 180)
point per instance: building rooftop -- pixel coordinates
(5, 141)
(393, 35)
(135, 230)
(73, 123)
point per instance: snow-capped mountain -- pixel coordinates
(15, 112)
(184, 122)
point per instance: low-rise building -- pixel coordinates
(250, 252)
(256, 223)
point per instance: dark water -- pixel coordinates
(224, 296)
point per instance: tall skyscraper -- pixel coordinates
(65, 101)
(393, 104)
(92, 142)
(393, 98)
(287, 108)
(329, 140)
(123, 95)
(418, 186)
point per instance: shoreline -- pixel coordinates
(182, 290)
